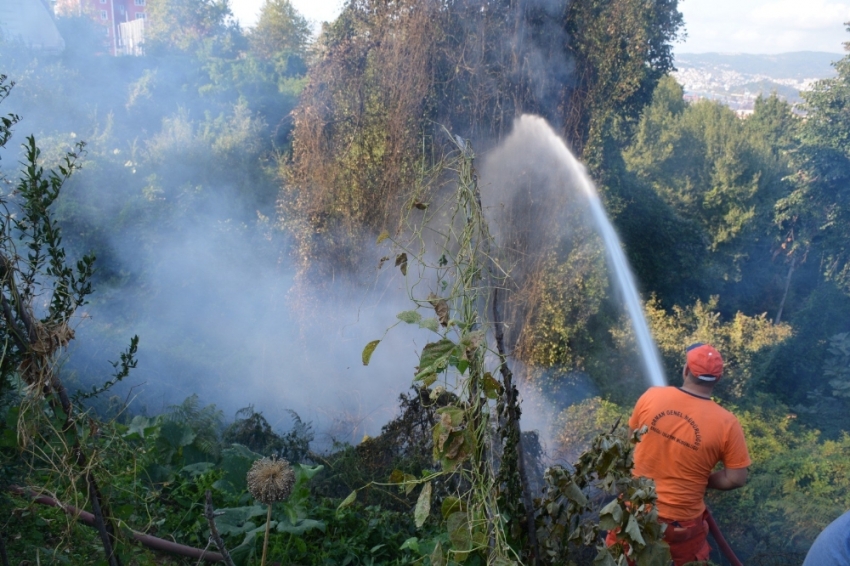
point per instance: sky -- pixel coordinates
(728, 26)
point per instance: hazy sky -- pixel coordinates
(743, 26)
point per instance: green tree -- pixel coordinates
(280, 32)
(182, 24)
(621, 49)
(815, 216)
(722, 175)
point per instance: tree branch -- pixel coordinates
(209, 513)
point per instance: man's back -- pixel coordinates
(688, 435)
(832, 547)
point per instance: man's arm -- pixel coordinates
(728, 478)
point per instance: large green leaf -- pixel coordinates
(235, 463)
(459, 533)
(300, 527)
(436, 354)
(176, 434)
(141, 427)
(451, 505)
(195, 470)
(237, 520)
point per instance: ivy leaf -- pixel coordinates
(382, 236)
(492, 387)
(604, 558)
(348, 500)
(401, 262)
(653, 554)
(410, 317)
(574, 493)
(452, 505)
(434, 358)
(451, 416)
(458, 526)
(423, 505)
(410, 483)
(304, 472)
(367, 351)
(429, 323)
(633, 530)
(610, 515)
(412, 543)
(434, 352)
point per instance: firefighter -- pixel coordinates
(688, 434)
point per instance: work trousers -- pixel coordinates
(688, 540)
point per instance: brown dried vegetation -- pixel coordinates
(389, 74)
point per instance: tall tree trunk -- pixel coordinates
(513, 412)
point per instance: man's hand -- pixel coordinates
(728, 478)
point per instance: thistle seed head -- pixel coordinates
(270, 480)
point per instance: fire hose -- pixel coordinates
(724, 547)
(152, 542)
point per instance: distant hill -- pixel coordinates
(799, 65)
(736, 79)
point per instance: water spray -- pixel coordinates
(616, 258)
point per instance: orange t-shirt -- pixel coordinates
(687, 437)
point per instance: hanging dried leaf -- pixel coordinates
(367, 351)
(441, 307)
(420, 205)
(401, 262)
(382, 261)
(382, 236)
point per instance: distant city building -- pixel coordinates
(123, 21)
(30, 22)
